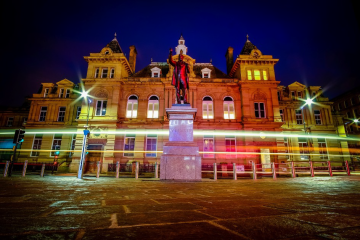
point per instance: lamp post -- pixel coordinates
(308, 102)
(86, 133)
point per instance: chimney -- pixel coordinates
(132, 57)
(229, 59)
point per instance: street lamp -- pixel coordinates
(85, 95)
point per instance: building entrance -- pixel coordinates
(95, 155)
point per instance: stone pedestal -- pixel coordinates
(180, 160)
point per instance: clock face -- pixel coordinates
(256, 54)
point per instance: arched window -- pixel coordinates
(132, 106)
(207, 107)
(153, 107)
(229, 112)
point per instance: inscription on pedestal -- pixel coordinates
(181, 130)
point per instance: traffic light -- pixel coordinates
(57, 153)
(19, 136)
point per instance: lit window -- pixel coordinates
(282, 114)
(208, 147)
(304, 149)
(97, 72)
(151, 145)
(230, 146)
(42, 116)
(78, 111)
(61, 93)
(55, 144)
(101, 108)
(265, 76)
(153, 107)
(132, 106)
(67, 95)
(298, 115)
(257, 75)
(61, 115)
(10, 122)
(112, 72)
(259, 110)
(317, 116)
(104, 73)
(322, 148)
(36, 146)
(129, 145)
(207, 106)
(229, 112)
(46, 92)
(249, 75)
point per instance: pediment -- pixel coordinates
(297, 85)
(65, 82)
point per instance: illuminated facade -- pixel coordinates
(246, 99)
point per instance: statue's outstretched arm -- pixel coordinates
(170, 58)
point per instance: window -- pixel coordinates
(153, 107)
(348, 114)
(259, 110)
(304, 149)
(313, 93)
(207, 106)
(78, 111)
(132, 106)
(282, 114)
(46, 92)
(42, 116)
(61, 93)
(208, 147)
(24, 120)
(265, 76)
(339, 106)
(322, 148)
(229, 112)
(332, 108)
(101, 108)
(155, 72)
(292, 95)
(104, 73)
(156, 75)
(61, 115)
(73, 142)
(36, 146)
(10, 122)
(206, 75)
(317, 116)
(67, 93)
(230, 145)
(97, 72)
(279, 95)
(112, 72)
(286, 144)
(249, 75)
(205, 72)
(345, 104)
(257, 75)
(299, 94)
(55, 144)
(129, 145)
(298, 115)
(151, 141)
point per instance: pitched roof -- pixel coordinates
(146, 72)
(215, 72)
(114, 45)
(248, 47)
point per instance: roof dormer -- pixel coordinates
(205, 73)
(155, 72)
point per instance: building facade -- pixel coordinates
(240, 113)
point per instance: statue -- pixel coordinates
(180, 78)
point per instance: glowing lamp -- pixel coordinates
(84, 94)
(356, 120)
(309, 101)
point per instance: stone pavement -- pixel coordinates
(60, 207)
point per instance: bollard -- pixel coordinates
(156, 170)
(347, 167)
(42, 170)
(98, 169)
(293, 170)
(311, 169)
(117, 169)
(234, 171)
(24, 168)
(215, 171)
(254, 171)
(137, 170)
(273, 170)
(330, 170)
(6, 169)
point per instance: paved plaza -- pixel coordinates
(63, 207)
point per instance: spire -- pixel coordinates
(114, 45)
(181, 37)
(247, 37)
(248, 47)
(115, 37)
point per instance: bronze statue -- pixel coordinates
(180, 78)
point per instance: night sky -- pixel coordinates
(317, 42)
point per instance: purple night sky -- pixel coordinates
(317, 42)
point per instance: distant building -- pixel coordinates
(246, 99)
